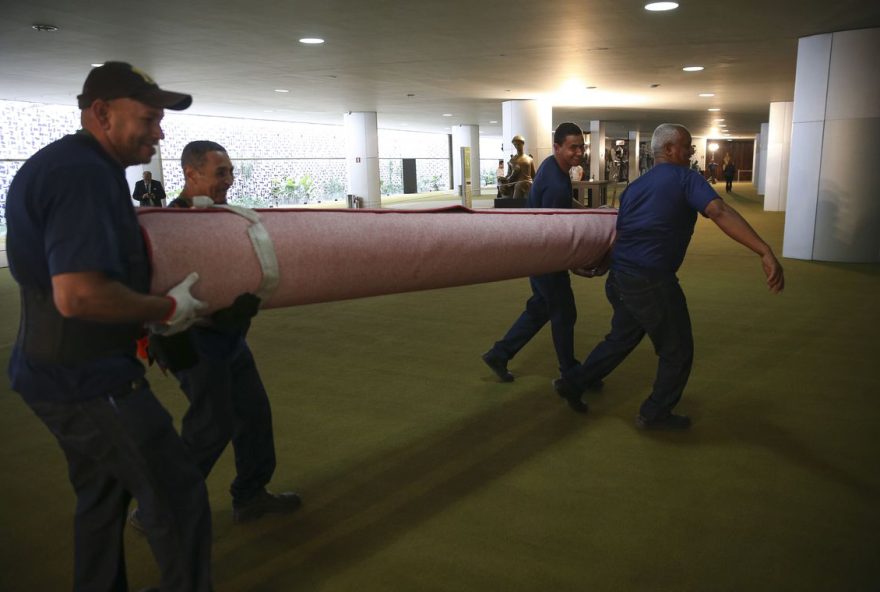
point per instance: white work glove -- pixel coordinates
(185, 310)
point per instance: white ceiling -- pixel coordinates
(412, 61)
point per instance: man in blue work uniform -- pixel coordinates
(655, 223)
(75, 249)
(227, 399)
(552, 299)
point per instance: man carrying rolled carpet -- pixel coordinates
(76, 251)
(655, 223)
(552, 299)
(217, 372)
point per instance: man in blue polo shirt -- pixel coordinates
(552, 299)
(75, 249)
(657, 215)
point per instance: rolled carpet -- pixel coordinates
(327, 255)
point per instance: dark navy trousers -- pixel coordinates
(122, 446)
(552, 300)
(228, 403)
(642, 305)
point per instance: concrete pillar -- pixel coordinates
(778, 151)
(532, 120)
(597, 150)
(833, 211)
(756, 160)
(762, 180)
(633, 148)
(466, 135)
(362, 156)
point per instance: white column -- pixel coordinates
(778, 151)
(756, 160)
(633, 149)
(762, 180)
(362, 156)
(532, 120)
(466, 135)
(833, 212)
(597, 150)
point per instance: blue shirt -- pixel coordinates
(656, 219)
(69, 210)
(551, 187)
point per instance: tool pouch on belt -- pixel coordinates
(174, 352)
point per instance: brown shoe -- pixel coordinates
(265, 503)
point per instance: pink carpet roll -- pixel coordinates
(327, 255)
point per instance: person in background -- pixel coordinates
(76, 251)
(655, 222)
(149, 192)
(729, 173)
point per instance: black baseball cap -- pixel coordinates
(118, 80)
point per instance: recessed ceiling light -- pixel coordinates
(281, 90)
(661, 6)
(447, 115)
(44, 28)
(707, 94)
(311, 40)
(722, 119)
(97, 65)
(693, 68)
(713, 109)
(493, 122)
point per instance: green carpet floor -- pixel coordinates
(420, 472)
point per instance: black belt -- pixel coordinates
(127, 388)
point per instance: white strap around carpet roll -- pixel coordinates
(263, 248)
(326, 255)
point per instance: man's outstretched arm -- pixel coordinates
(735, 226)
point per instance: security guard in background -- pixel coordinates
(75, 249)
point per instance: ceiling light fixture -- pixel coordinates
(44, 28)
(311, 40)
(693, 68)
(447, 115)
(707, 94)
(97, 65)
(493, 121)
(713, 109)
(281, 90)
(661, 6)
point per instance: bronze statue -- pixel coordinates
(520, 172)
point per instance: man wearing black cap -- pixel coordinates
(77, 254)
